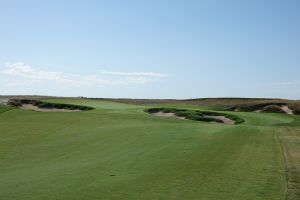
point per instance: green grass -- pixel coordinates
(117, 151)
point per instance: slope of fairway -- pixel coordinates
(118, 151)
(290, 138)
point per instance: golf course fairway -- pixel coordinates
(117, 151)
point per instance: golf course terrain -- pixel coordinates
(105, 149)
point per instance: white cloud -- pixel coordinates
(138, 79)
(22, 70)
(25, 74)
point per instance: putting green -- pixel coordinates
(117, 151)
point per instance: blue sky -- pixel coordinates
(151, 49)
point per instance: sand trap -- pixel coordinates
(222, 118)
(162, 114)
(35, 108)
(284, 108)
(287, 110)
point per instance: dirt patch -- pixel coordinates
(35, 108)
(162, 114)
(224, 119)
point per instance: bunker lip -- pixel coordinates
(35, 108)
(196, 115)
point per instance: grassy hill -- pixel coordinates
(118, 151)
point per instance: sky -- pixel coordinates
(150, 49)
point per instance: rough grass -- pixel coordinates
(117, 151)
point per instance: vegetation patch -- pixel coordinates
(198, 115)
(47, 105)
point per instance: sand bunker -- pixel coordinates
(162, 114)
(284, 108)
(287, 110)
(35, 108)
(224, 119)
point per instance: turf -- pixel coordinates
(117, 151)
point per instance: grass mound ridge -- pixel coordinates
(196, 115)
(47, 105)
(273, 109)
(253, 107)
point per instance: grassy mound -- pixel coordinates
(196, 115)
(47, 105)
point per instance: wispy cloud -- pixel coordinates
(283, 84)
(25, 71)
(28, 75)
(135, 74)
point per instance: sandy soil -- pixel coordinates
(35, 108)
(162, 114)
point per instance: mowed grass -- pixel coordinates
(118, 151)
